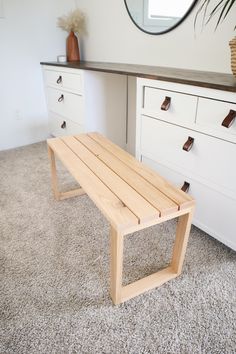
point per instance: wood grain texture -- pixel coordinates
(112, 207)
(54, 180)
(218, 81)
(116, 261)
(150, 282)
(112, 179)
(181, 240)
(132, 199)
(153, 195)
(182, 199)
(73, 193)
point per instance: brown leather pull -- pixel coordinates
(185, 187)
(189, 144)
(229, 119)
(166, 104)
(61, 98)
(63, 126)
(59, 80)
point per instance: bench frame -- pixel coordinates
(120, 293)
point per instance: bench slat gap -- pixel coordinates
(150, 193)
(110, 205)
(181, 198)
(136, 203)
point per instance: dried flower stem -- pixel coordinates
(74, 21)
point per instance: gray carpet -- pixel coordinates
(54, 268)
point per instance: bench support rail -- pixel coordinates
(121, 293)
(54, 181)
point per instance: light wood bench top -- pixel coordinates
(125, 190)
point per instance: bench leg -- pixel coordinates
(116, 241)
(54, 180)
(120, 294)
(60, 195)
(181, 241)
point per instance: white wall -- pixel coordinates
(28, 35)
(113, 37)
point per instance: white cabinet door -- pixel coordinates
(215, 213)
(212, 113)
(181, 108)
(60, 126)
(64, 80)
(66, 104)
(209, 158)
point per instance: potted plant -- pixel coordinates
(73, 23)
(220, 12)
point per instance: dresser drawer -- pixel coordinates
(68, 105)
(209, 158)
(181, 109)
(212, 113)
(215, 213)
(65, 80)
(60, 126)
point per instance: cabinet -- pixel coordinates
(65, 100)
(175, 108)
(180, 134)
(80, 101)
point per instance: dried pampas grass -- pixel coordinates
(74, 21)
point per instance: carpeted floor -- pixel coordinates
(54, 269)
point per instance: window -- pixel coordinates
(163, 14)
(167, 8)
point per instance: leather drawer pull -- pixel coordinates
(166, 104)
(189, 144)
(59, 80)
(61, 98)
(185, 187)
(63, 126)
(229, 119)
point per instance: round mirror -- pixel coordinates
(158, 16)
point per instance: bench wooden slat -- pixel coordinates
(121, 188)
(114, 210)
(133, 200)
(183, 200)
(159, 200)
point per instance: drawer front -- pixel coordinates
(212, 113)
(209, 158)
(60, 126)
(66, 104)
(215, 213)
(182, 108)
(69, 81)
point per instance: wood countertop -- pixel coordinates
(218, 81)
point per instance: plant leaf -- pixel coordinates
(222, 12)
(222, 7)
(216, 8)
(230, 5)
(199, 11)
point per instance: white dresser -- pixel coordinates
(65, 98)
(180, 134)
(80, 101)
(171, 117)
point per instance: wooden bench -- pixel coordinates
(130, 195)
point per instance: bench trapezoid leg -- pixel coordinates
(116, 242)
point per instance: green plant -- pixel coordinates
(222, 8)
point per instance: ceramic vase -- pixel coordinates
(72, 47)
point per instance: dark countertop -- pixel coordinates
(218, 81)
